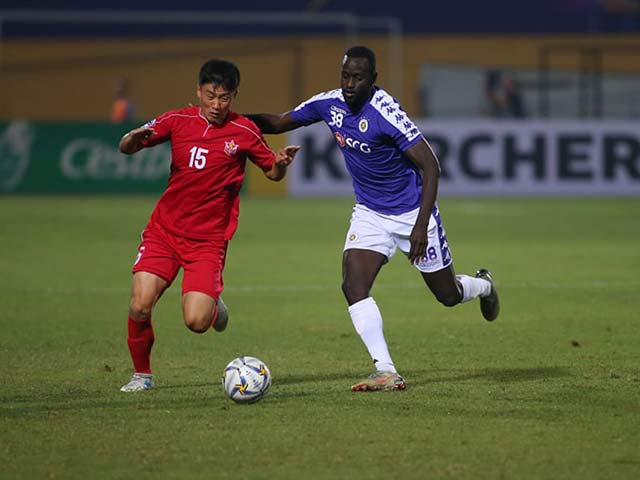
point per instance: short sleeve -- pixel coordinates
(308, 112)
(258, 150)
(162, 125)
(394, 122)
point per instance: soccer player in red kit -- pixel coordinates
(197, 214)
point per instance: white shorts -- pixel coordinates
(370, 230)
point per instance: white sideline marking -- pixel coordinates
(175, 289)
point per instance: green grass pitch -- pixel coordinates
(551, 390)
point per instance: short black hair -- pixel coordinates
(220, 72)
(362, 52)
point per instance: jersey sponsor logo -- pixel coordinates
(363, 125)
(352, 143)
(358, 145)
(352, 237)
(230, 148)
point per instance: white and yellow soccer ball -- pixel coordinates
(246, 379)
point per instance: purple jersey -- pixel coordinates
(373, 142)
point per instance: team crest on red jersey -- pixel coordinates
(230, 148)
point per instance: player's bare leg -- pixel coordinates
(146, 290)
(201, 312)
(444, 285)
(451, 289)
(359, 271)
(198, 309)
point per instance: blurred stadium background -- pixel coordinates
(534, 98)
(520, 99)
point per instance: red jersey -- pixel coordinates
(207, 170)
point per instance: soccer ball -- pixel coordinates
(246, 379)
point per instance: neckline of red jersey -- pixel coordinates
(210, 124)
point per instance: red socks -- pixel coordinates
(140, 341)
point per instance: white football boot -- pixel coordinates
(139, 382)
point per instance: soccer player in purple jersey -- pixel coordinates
(395, 179)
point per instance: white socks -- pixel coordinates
(367, 321)
(473, 287)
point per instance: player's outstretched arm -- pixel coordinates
(271, 123)
(284, 157)
(132, 142)
(422, 155)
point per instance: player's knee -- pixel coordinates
(353, 293)
(197, 323)
(139, 310)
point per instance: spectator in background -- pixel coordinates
(504, 96)
(123, 109)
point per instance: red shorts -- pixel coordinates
(163, 253)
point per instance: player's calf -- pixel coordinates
(450, 300)
(198, 309)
